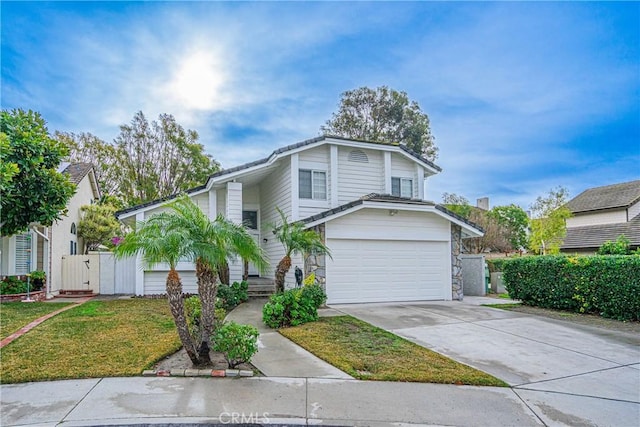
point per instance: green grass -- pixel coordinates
(503, 306)
(369, 353)
(15, 315)
(95, 339)
(504, 296)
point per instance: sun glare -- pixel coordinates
(198, 81)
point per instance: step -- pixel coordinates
(75, 293)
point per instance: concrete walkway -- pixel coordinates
(277, 356)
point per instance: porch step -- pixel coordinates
(75, 293)
(260, 287)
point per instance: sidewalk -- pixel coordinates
(166, 401)
(277, 356)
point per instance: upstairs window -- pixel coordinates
(402, 187)
(312, 184)
(73, 228)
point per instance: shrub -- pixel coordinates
(11, 285)
(293, 307)
(237, 342)
(606, 285)
(193, 312)
(38, 279)
(620, 247)
(310, 279)
(496, 265)
(230, 296)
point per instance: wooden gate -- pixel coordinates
(81, 273)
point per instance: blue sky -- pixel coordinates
(522, 97)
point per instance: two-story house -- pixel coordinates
(42, 248)
(388, 243)
(601, 214)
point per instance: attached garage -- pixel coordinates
(382, 255)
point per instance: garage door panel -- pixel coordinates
(385, 270)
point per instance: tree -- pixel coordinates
(8, 169)
(158, 159)
(88, 148)
(457, 204)
(548, 223)
(516, 221)
(147, 161)
(382, 115)
(494, 238)
(184, 232)
(36, 192)
(296, 240)
(98, 226)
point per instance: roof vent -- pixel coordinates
(358, 156)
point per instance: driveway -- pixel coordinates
(566, 373)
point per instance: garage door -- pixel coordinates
(387, 270)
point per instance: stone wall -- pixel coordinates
(456, 263)
(317, 263)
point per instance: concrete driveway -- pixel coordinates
(566, 373)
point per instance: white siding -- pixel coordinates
(404, 168)
(202, 200)
(221, 197)
(316, 155)
(275, 191)
(155, 282)
(378, 224)
(358, 179)
(250, 197)
(596, 218)
(634, 211)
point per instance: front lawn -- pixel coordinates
(95, 339)
(369, 353)
(16, 315)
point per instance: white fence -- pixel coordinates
(99, 272)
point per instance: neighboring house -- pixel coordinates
(42, 248)
(601, 214)
(388, 243)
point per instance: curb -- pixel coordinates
(220, 373)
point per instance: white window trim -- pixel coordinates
(313, 197)
(403, 179)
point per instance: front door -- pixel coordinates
(250, 221)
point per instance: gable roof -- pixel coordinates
(607, 197)
(77, 171)
(275, 154)
(389, 199)
(593, 236)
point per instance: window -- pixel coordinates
(402, 187)
(23, 254)
(73, 228)
(73, 248)
(250, 219)
(312, 184)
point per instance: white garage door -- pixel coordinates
(387, 270)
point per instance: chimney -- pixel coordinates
(483, 203)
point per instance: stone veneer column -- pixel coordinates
(456, 263)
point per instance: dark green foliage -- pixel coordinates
(33, 191)
(605, 285)
(237, 342)
(293, 307)
(231, 296)
(12, 285)
(193, 313)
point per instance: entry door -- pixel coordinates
(250, 221)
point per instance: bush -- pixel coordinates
(606, 285)
(496, 265)
(229, 297)
(293, 307)
(12, 285)
(620, 247)
(193, 312)
(237, 342)
(38, 279)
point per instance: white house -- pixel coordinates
(388, 243)
(42, 248)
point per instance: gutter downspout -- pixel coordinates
(48, 264)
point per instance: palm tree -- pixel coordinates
(184, 232)
(210, 245)
(296, 240)
(159, 244)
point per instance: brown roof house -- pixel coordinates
(42, 248)
(601, 214)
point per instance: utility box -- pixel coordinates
(496, 283)
(473, 275)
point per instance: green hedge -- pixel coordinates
(606, 285)
(497, 264)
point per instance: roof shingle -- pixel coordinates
(607, 197)
(593, 236)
